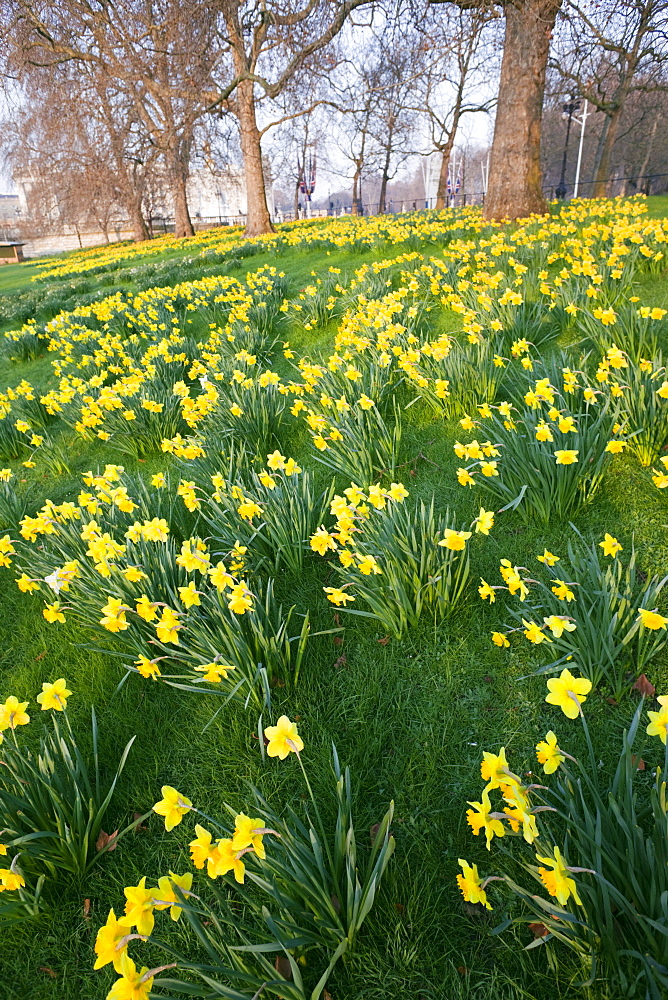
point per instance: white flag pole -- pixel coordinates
(583, 122)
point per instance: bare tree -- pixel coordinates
(158, 54)
(515, 183)
(358, 92)
(269, 44)
(394, 120)
(459, 57)
(78, 144)
(607, 51)
(178, 61)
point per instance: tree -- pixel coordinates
(515, 181)
(78, 146)
(458, 53)
(269, 45)
(515, 184)
(178, 61)
(158, 55)
(606, 52)
(295, 143)
(393, 119)
(357, 88)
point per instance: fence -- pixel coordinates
(72, 238)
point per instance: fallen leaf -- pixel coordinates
(487, 679)
(86, 909)
(337, 640)
(326, 995)
(49, 971)
(384, 641)
(462, 970)
(105, 839)
(341, 662)
(638, 762)
(337, 618)
(539, 930)
(611, 701)
(40, 656)
(644, 686)
(283, 967)
(139, 826)
(400, 908)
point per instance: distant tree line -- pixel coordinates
(111, 103)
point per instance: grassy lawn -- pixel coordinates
(410, 716)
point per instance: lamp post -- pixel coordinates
(569, 110)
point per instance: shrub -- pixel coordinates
(52, 803)
(393, 558)
(588, 612)
(543, 457)
(601, 852)
(296, 902)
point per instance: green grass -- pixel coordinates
(410, 717)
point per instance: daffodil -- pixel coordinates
(455, 540)
(557, 625)
(652, 619)
(548, 558)
(13, 713)
(111, 943)
(484, 521)
(202, 848)
(549, 754)
(173, 806)
(54, 695)
(494, 769)
(470, 884)
(566, 456)
(248, 832)
(568, 692)
(322, 541)
(534, 633)
(139, 907)
(134, 984)
(226, 858)
(480, 817)
(610, 546)
(556, 878)
(562, 591)
(52, 613)
(338, 596)
(658, 721)
(165, 895)
(283, 739)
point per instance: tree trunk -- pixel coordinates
(355, 208)
(140, 230)
(645, 163)
(258, 220)
(382, 197)
(296, 203)
(608, 139)
(442, 189)
(515, 181)
(182, 222)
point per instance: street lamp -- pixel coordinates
(569, 110)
